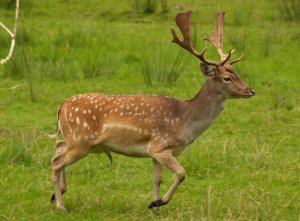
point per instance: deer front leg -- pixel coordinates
(168, 160)
(158, 169)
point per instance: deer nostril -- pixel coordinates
(251, 91)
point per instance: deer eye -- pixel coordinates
(227, 79)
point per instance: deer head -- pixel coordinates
(225, 80)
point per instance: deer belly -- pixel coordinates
(129, 150)
(126, 140)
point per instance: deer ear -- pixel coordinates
(208, 70)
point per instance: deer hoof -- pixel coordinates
(156, 203)
(62, 209)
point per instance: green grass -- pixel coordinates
(161, 64)
(245, 167)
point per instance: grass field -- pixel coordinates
(245, 167)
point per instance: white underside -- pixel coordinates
(129, 150)
(135, 150)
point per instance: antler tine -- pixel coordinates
(183, 21)
(237, 60)
(201, 57)
(217, 38)
(227, 57)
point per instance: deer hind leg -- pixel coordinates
(158, 171)
(168, 160)
(60, 147)
(59, 162)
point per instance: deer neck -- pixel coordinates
(203, 109)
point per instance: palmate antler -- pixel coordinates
(183, 21)
(217, 38)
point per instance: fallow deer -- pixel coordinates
(154, 126)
